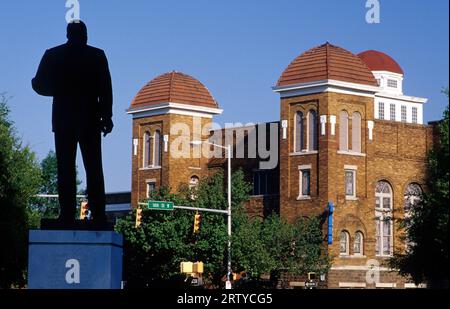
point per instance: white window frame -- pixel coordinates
(410, 201)
(193, 184)
(154, 149)
(392, 112)
(361, 244)
(300, 147)
(347, 243)
(153, 142)
(301, 170)
(344, 144)
(381, 215)
(350, 169)
(414, 114)
(392, 83)
(310, 144)
(147, 183)
(404, 112)
(356, 134)
(194, 181)
(146, 135)
(381, 111)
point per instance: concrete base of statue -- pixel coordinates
(74, 259)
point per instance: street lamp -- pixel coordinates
(228, 149)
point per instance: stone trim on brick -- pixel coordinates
(352, 284)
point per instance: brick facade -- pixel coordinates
(390, 151)
(173, 172)
(396, 154)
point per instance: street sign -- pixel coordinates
(310, 284)
(159, 205)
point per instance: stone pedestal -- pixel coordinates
(65, 259)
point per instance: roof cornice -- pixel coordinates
(171, 106)
(328, 85)
(401, 97)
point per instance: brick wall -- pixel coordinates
(397, 154)
(174, 172)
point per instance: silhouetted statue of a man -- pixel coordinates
(77, 76)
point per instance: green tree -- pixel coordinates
(154, 251)
(426, 259)
(48, 207)
(296, 248)
(19, 181)
(249, 250)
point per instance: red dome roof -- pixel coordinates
(327, 62)
(378, 61)
(174, 87)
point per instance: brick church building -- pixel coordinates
(347, 135)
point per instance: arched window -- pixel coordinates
(312, 130)
(344, 243)
(157, 153)
(358, 244)
(298, 142)
(148, 149)
(383, 218)
(356, 132)
(413, 196)
(193, 185)
(343, 131)
(193, 182)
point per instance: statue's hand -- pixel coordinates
(107, 126)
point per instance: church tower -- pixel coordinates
(327, 99)
(346, 139)
(170, 112)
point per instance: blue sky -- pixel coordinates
(237, 48)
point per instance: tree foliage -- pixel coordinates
(427, 224)
(154, 251)
(46, 207)
(43, 207)
(19, 181)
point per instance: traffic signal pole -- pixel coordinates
(228, 283)
(195, 209)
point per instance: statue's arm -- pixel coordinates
(42, 83)
(106, 93)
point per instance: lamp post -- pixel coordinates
(228, 149)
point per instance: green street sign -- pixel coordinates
(159, 205)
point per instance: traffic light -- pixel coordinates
(198, 267)
(83, 210)
(197, 220)
(186, 267)
(138, 217)
(311, 276)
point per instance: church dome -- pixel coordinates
(173, 87)
(327, 62)
(379, 61)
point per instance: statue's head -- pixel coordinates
(77, 32)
